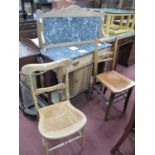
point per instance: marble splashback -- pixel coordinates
(71, 29)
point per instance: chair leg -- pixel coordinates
(105, 89)
(121, 140)
(83, 137)
(101, 87)
(90, 91)
(45, 146)
(109, 106)
(126, 100)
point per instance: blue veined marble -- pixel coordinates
(113, 11)
(72, 52)
(117, 11)
(71, 29)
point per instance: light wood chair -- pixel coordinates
(119, 85)
(59, 120)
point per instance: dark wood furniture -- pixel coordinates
(126, 51)
(29, 54)
(129, 128)
(27, 29)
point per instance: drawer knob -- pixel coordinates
(75, 63)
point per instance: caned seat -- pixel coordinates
(115, 81)
(60, 120)
(119, 85)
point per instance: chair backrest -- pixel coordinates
(60, 67)
(106, 57)
(68, 26)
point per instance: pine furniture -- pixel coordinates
(61, 119)
(71, 33)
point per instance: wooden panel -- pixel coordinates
(27, 26)
(126, 55)
(81, 62)
(28, 29)
(79, 80)
(28, 34)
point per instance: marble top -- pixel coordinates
(113, 11)
(72, 52)
(71, 29)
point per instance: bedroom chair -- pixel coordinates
(119, 85)
(59, 120)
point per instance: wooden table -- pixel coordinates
(126, 48)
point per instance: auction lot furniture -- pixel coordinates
(61, 119)
(69, 42)
(71, 34)
(119, 85)
(80, 52)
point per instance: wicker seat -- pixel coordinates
(58, 120)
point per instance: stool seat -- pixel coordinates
(60, 120)
(115, 81)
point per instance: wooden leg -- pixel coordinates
(90, 91)
(109, 106)
(105, 89)
(49, 98)
(21, 105)
(101, 87)
(121, 140)
(126, 100)
(46, 147)
(83, 137)
(127, 131)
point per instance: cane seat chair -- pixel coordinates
(119, 85)
(58, 120)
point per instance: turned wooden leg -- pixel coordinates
(109, 106)
(126, 100)
(83, 139)
(45, 146)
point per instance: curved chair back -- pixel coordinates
(60, 67)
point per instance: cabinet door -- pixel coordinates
(79, 80)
